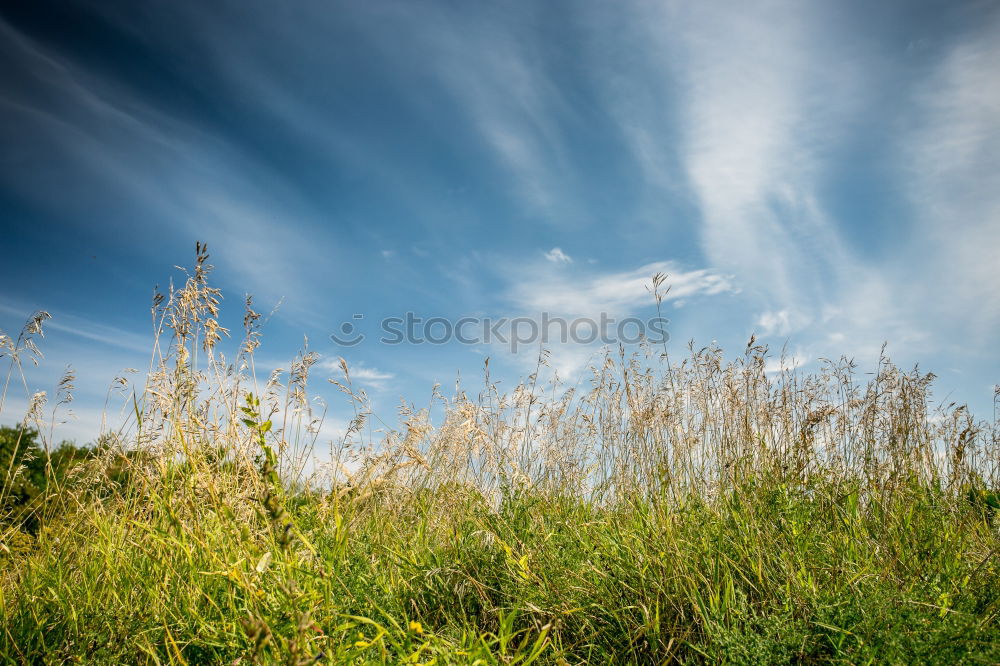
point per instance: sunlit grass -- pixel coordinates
(700, 510)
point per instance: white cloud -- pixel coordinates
(781, 322)
(492, 71)
(785, 362)
(950, 164)
(587, 293)
(358, 372)
(751, 149)
(755, 135)
(557, 256)
(754, 117)
(369, 375)
(612, 293)
(84, 328)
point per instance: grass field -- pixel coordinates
(695, 510)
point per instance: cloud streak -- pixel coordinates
(614, 293)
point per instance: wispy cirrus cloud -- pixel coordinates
(187, 180)
(950, 159)
(358, 372)
(756, 120)
(589, 293)
(84, 329)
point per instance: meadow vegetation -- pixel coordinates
(701, 509)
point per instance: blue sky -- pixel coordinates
(824, 174)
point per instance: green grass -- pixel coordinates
(706, 512)
(767, 573)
